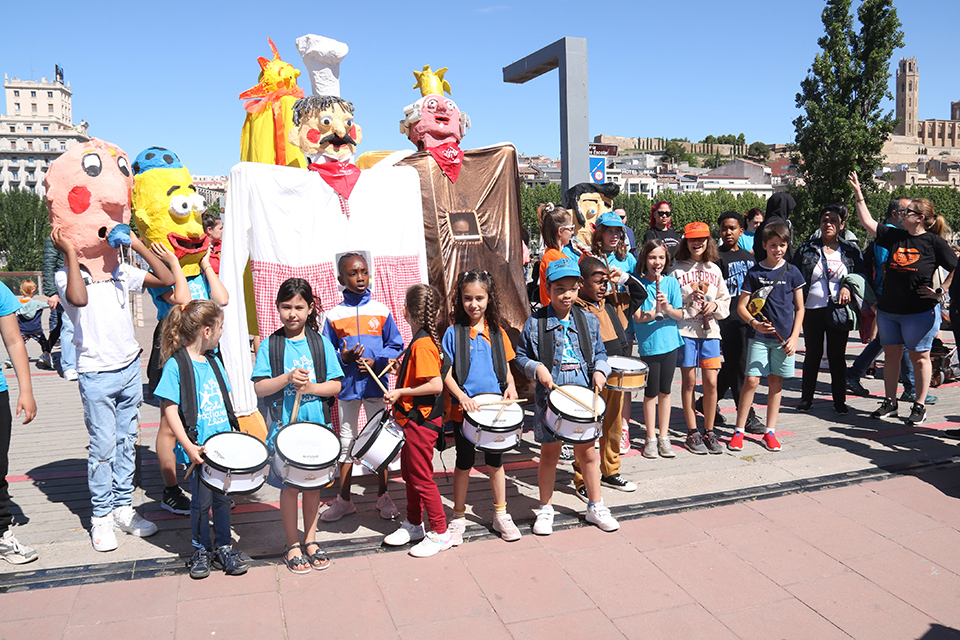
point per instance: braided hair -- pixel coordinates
(423, 305)
(492, 313)
(185, 322)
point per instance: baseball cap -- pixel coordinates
(697, 230)
(562, 269)
(610, 219)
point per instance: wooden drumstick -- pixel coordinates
(490, 403)
(385, 369)
(193, 464)
(296, 406)
(503, 408)
(596, 394)
(375, 378)
(572, 397)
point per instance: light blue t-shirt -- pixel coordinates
(746, 241)
(627, 265)
(569, 355)
(199, 290)
(296, 355)
(8, 306)
(211, 410)
(656, 338)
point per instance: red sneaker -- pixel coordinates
(770, 441)
(736, 442)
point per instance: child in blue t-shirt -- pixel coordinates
(298, 314)
(658, 342)
(196, 329)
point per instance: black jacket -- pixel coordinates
(808, 255)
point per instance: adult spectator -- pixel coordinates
(661, 218)
(779, 207)
(825, 263)
(908, 314)
(631, 239)
(753, 218)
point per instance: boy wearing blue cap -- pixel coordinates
(572, 353)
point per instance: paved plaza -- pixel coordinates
(852, 530)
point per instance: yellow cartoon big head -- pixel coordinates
(167, 207)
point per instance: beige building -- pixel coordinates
(911, 131)
(36, 128)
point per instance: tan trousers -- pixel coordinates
(610, 434)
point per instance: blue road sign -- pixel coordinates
(598, 170)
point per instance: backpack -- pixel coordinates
(546, 347)
(435, 401)
(278, 344)
(188, 408)
(461, 367)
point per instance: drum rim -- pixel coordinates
(303, 465)
(333, 479)
(245, 492)
(515, 445)
(644, 366)
(568, 440)
(386, 461)
(365, 447)
(220, 467)
(584, 420)
(484, 427)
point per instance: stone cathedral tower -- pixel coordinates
(908, 90)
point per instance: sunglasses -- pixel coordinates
(568, 227)
(912, 212)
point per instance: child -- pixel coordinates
(705, 300)
(556, 230)
(753, 218)
(566, 365)
(213, 227)
(661, 216)
(364, 332)
(194, 331)
(780, 285)
(610, 245)
(108, 366)
(204, 286)
(30, 317)
(11, 549)
(658, 343)
(611, 311)
(476, 318)
(734, 262)
(418, 407)
(298, 315)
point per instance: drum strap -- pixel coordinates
(278, 343)
(547, 346)
(461, 367)
(188, 408)
(435, 401)
(618, 327)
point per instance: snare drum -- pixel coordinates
(379, 442)
(234, 462)
(569, 421)
(628, 374)
(490, 435)
(306, 455)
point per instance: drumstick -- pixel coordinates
(193, 464)
(503, 408)
(596, 393)
(385, 369)
(573, 397)
(489, 403)
(375, 378)
(296, 406)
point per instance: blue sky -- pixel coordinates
(169, 73)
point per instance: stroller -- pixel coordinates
(946, 364)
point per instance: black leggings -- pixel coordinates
(6, 424)
(467, 452)
(660, 377)
(814, 328)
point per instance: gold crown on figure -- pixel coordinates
(431, 82)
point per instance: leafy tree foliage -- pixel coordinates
(758, 150)
(673, 152)
(24, 226)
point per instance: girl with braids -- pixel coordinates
(195, 328)
(298, 315)
(476, 314)
(418, 406)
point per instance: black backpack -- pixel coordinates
(461, 365)
(278, 344)
(188, 408)
(435, 402)
(546, 347)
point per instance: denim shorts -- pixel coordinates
(765, 358)
(540, 432)
(700, 352)
(915, 331)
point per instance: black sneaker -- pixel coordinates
(918, 414)
(199, 564)
(230, 561)
(886, 408)
(755, 424)
(841, 409)
(694, 443)
(717, 418)
(581, 492)
(618, 482)
(805, 405)
(712, 443)
(854, 387)
(175, 501)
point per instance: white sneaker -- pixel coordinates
(338, 509)
(544, 524)
(599, 515)
(406, 533)
(71, 375)
(456, 528)
(506, 528)
(126, 519)
(388, 510)
(432, 544)
(14, 551)
(101, 533)
(45, 361)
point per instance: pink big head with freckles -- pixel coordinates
(439, 122)
(88, 193)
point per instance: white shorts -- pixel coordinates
(349, 418)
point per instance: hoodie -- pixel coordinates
(779, 207)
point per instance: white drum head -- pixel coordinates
(572, 410)
(484, 416)
(623, 363)
(308, 444)
(235, 451)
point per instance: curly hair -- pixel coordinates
(423, 305)
(596, 244)
(492, 313)
(185, 322)
(293, 287)
(645, 250)
(710, 253)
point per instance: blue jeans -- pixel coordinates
(68, 350)
(202, 499)
(870, 352)
(111, 402)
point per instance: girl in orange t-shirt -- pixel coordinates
(556, 230)
(418, 408)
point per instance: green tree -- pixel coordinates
(741, 140)
(673, 152)
(758, 150)
(214, 208)
(842, 127)
(24, 226)
(709, 140)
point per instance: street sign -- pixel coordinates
(598, 170)
(608, 150)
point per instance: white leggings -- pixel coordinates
(349, 416)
